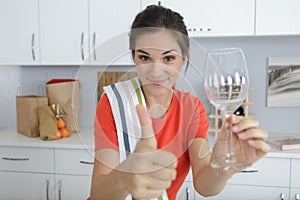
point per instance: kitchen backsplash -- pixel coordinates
(256, 49)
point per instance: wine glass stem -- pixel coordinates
(230, 154)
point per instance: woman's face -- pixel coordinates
(159, 60)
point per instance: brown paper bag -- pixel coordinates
(28, 114)
(48, 125)
(65, 92)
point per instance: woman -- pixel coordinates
(174, 125)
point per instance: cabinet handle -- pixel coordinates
(82, 46)
(281, 196)
(249, 171)
(47, 190)
(86, 162)
(187, 193)
(297, 197)
(15, 159)
(32, 46)
(94, 45)
(59, 189)
(199, 29)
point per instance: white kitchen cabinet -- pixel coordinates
(72, 187)
(295, 173)
(19, 34)
(277, 17)
(295, 194)
(244, 192)
(64, 31)
(110, 24)
(20, 185)
(215, 17)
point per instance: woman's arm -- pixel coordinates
(106, 182)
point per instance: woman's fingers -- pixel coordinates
(260, 145)
(253, 133)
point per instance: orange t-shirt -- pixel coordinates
(185, 120)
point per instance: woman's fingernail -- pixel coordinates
(251, 142)
(243, 135)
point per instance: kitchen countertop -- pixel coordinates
(85, 140)
(82, 140)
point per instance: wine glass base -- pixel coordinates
(228, 163)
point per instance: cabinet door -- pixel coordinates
(64, 31)
(277, 17)
(72, 187)
(19, 34)
(186, 192)
(295, 194)
(238, 192)
(295, 173)
(215, 17)
(14, 185)
(110, 23)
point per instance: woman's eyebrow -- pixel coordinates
(166, 52)
(139, 50)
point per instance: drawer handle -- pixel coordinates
(297, 197)
(32, 46)
(82, 46)
(86, 162)
(94, 46)
(15, 159)
(59, 189)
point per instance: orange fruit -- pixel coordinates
(65, 132)
(61, 123)
(58, 134)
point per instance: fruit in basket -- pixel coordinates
(61, 123)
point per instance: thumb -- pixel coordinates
(147, 129)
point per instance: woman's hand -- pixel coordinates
(148, 171)
(248, 145)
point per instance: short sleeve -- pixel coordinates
(199, 123)
(104, 126)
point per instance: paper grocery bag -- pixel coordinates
(65, 92)
(48, 125)
(28, 114)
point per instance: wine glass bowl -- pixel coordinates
(226, 83)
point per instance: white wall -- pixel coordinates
(257, 49)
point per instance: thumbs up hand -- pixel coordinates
(148, 171)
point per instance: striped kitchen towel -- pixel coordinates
(123, 98)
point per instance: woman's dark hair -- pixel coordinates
(155, 17)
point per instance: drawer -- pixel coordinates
(27, 159)
(74, 161)
(295, 173)
(265, 172)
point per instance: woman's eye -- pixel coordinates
(169, 58)
(144, 58)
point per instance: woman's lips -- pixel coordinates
(157, 82)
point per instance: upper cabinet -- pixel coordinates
(214, 17)
(64, 31)
(110, 23)
(19, 33)
(277, 17)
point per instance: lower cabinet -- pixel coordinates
(246, 192)
(45, 173)
(26, 186)
(186, 191)
(295, 194)
(72, 187)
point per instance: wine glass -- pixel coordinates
(226, 83)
